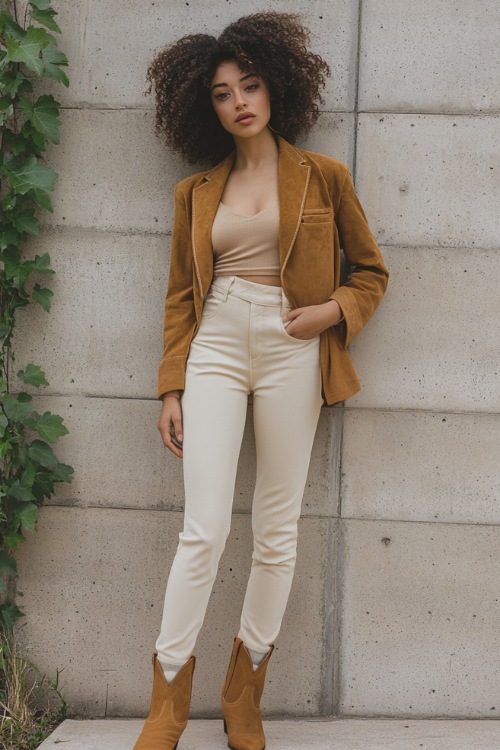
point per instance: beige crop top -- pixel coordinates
(246, 244)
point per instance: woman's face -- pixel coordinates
(235, 93)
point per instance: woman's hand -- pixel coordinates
(171, 421)
(308, 322)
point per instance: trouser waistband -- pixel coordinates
(261, 294)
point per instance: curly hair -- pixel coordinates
(270, 44)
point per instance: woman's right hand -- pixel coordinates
(171, 421)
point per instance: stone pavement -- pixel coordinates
(321, 734)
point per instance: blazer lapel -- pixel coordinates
(293, 180)
(205, 202)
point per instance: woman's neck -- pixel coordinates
(253, 153)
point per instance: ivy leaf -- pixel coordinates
(4, 330)
(31, 175)
(33, 374)
(43, 115)
(18, 492)
(42, 453)
(24, 220)
(42, 263)
(14, 81)
(62, 473)
(42, 296)
(6, 110)
(17, 408)
(28, 516)
(52, 60)
(41, 198)
(3, 424)
(7, 237)
(16, 31)
(40, 4)
(8, 565)
(28, 50)
(46, 18)
(49, 426)
(9, 613)
(13, 540)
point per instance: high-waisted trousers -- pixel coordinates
(241, 347)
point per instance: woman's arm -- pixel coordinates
(180, 314)
(366, 283)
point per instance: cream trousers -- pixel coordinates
(240, 347)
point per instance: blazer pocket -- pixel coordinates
(315, 215)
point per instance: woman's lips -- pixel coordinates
(245, 119)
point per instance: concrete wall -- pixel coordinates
(395, 604)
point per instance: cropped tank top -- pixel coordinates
(246, 244)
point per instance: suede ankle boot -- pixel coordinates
(240, 699)
(169, 709)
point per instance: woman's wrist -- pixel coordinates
(175, 394)
(337, 316)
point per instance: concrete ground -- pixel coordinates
(336, 734)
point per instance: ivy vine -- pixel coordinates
(29, 468)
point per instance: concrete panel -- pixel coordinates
(433, 344)
(337, 734)
(120, 461)
(103, 335)
(420, 611)
(332, 135)
(92, 584)
(434, 56)
(108, 63)
(416, 466)
(130, 186)
(430, 180)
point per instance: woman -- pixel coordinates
(253, 305)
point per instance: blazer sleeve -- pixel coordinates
(180, 315)
(367, 280)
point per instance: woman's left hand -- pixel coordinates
(308, 322)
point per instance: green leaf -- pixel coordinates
(24, 220)
(18, 492)
(29, 516)
(11, 26)
(31, 175)
(53, 59)
(8, 565)
(13, 540)
(50, 427)
(62, 473)
(42, 263)
(4, 330)
(43, 115)
(29, 49)
(42, 296)
(17, 408)
(14, 81)
(33, 374)
(40, 4)
(46, 18)
(41, 198)
(6, 110)
(42, 453)
(9, 613)
(3, 424)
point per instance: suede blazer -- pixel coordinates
(320, 213)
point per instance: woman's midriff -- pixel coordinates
(273, 280)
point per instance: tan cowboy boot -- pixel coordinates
(241, 697)
(169, 709)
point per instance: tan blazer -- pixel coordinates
(320, 213)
